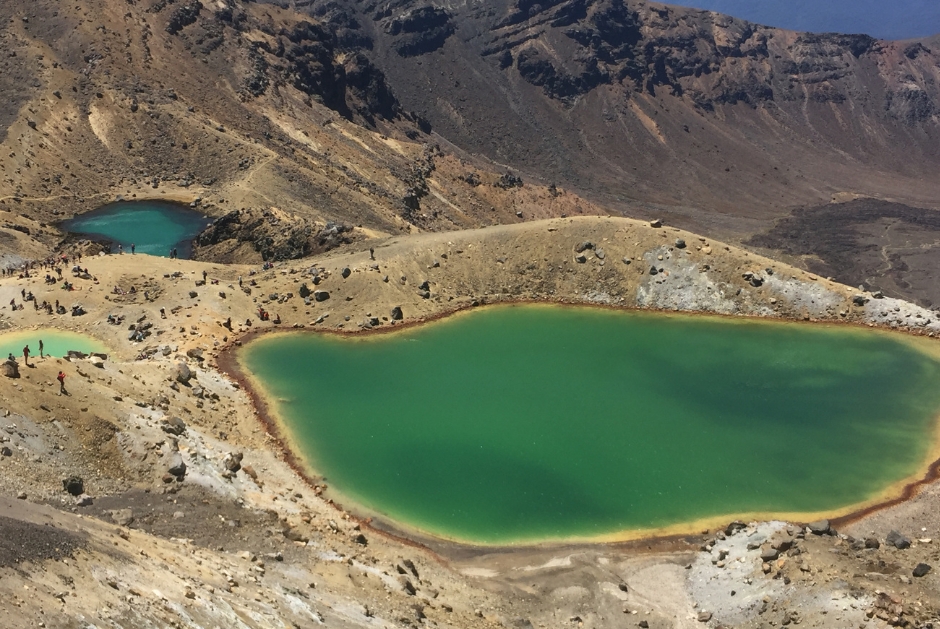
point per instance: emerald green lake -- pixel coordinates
(527, 423)
(154, 227)
(56, 343)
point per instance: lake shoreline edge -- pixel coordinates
(265, 410)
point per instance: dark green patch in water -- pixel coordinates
(529, 422)
(154, 227)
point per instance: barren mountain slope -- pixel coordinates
(239, 104)
(729, 122)
(719, 125)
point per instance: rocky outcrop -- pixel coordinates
(10, 369)
(419, 31)
(309, 56)
(367, 93)
(269, 234)
(712, 59)
(183, 17)
(318, 56)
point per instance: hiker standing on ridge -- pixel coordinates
(61, 379)
(26, 355)
(40, 348)
(133, 248)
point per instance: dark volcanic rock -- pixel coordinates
(820, 527)
(74, 485)
(27, 542)
(367, 92)
(849, 242)
(310, 54)
(274, 234)
(173, 426)
(176, 466)
(419, 31)
(897, 540)
(183, 17)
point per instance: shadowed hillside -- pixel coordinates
(639, 101)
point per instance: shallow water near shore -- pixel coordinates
(56, 343)
(528, 423)
(154, 227)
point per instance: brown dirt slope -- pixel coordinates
(727, 122)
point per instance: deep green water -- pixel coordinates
(152, 226)
(532, 422)
(56, 343)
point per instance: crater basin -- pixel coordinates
(518, 424)
(153, 227)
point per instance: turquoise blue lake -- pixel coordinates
(153, 227)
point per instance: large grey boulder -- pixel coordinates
(897, 540)
(820, 527)
(173, 426)
(769, 553)
(233, 461)
(183, 373)
(10, 369)
(176, 466)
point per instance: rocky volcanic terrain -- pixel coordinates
(487, 153)
(639, 101)
(405, 116)
(151, 495)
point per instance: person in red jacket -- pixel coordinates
(61, 379)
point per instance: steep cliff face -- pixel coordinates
(308, 55)
(632, 100)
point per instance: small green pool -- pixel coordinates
(527, 423)
(153, 227)
(56, 343)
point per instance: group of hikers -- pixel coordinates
(26, 354)
(52, 263)
(264, 315)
